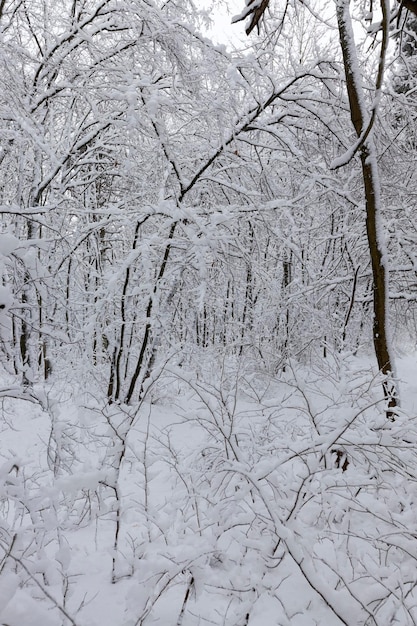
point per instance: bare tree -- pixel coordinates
(363, 120)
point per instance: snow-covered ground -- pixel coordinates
(235, 499)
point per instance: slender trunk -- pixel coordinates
(372, 188)
(26, 323)
(115, 379)
(141, 367)
(286, 280)
(247, 313)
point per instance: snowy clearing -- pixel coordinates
(239, 501)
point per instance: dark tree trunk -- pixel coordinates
(362, 124)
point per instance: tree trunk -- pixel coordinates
(372, 188)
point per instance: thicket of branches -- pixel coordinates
(180, 218)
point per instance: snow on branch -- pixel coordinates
(255, 9)
(411, 5)
(345, 158)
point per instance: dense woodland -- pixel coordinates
(208, 272)
(166, 199)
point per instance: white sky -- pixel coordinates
(223, 31)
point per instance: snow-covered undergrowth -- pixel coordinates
(230, 499)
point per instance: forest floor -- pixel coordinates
(237, 500)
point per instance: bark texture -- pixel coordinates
(372, 189)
